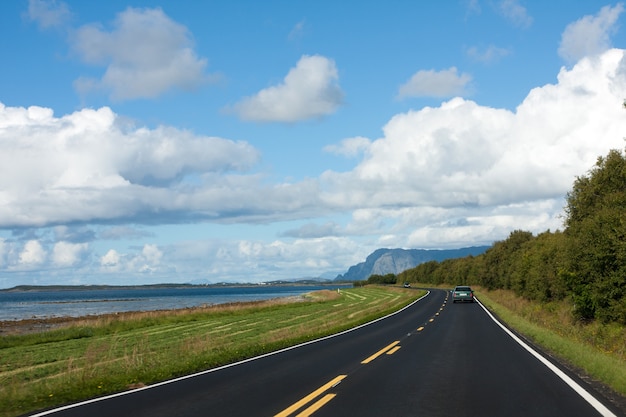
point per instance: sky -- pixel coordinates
(242, 141)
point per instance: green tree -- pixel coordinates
(382, 279)
(596, 232)
(535, 268)
(498, 260)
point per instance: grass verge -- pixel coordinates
(98, 356)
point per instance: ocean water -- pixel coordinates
(20, 305)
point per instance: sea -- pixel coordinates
(42, 303)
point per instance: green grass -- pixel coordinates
(597, 349)
(101, 356)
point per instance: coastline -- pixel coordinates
(44, 324)
(45, 302)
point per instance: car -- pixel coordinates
(407, 285)
(462, 293)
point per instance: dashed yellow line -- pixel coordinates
(296, 406)
(317, 405)
(394, 350)
(380, 352)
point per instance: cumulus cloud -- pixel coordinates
(148, 259)
(84, 167)
(66, 254)
(32, 255)
(152, 254)
(446, 176)
(498, 167)
(431, 83)
(48, 13)
(145, 54)
(111, 260)
(310, 90)
(589, 35)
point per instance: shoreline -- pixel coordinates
(41, 305)
(43, 324)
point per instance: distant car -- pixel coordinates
(407, 285)
(462, 293)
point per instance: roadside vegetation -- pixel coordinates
(572, 283)
(96, 356)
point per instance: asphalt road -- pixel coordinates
(434, 358)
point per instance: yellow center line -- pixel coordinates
(289, 410)
(394, 350)
(419, 329)
(317, 405)
(380, 352)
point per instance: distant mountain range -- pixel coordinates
(394, 261)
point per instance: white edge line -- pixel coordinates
(601, 408)
(170, 381)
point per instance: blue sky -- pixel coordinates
(145, 142)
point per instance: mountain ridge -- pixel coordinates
(393, 261)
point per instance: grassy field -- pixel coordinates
(97, 356)
(594, 349)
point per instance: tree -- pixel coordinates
(382, 279)
(596, 233)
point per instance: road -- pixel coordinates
(434, 358)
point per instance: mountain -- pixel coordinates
(394, 261)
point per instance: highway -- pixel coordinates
(434, 358)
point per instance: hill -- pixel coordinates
(394, 261)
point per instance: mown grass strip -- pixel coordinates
(111, 355)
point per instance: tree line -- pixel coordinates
(584, 263)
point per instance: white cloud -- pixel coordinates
(431, 83)
(349, 147)
(152, 254)
(111, 258)
(463, 160)
(589, 35)
(32, 255)
(146, 54)
(447, 176)
(515, 13)
(48, 13)
(85, 167)
(66, 254)
(309, 90)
